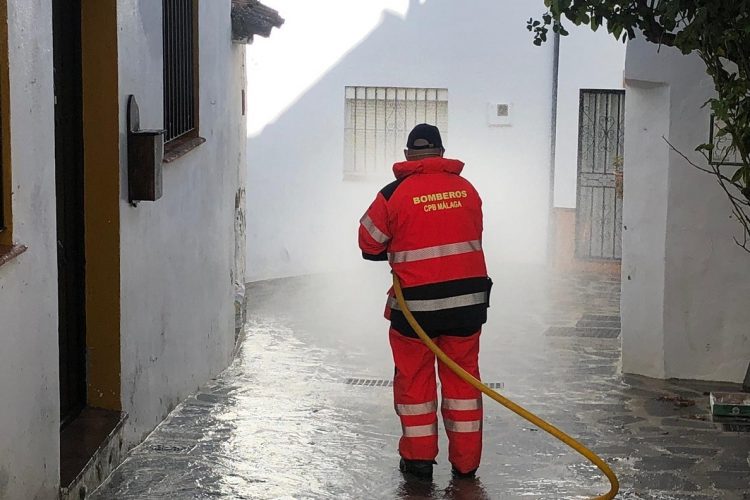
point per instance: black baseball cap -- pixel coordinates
(424, 136)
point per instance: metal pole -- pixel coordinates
(553, 148)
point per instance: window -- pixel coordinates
(378, 120)
(180, 26)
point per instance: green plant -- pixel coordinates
(718, 31)
(618, 163)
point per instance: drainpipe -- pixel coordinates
(553, 148)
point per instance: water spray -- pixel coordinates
(476, 383)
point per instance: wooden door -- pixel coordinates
(70, 215)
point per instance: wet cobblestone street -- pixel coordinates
(286, 420)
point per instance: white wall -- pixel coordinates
(178, 253)
(29, 415)
(303, 217)
(644, 228)
(177, 256)
(703, 310)
(588, 60)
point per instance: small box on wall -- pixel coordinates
(145, 155)
(499, 114)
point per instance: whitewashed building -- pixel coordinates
(685, 312)
(113, 308)
(339, 88)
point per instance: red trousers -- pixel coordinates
(415, 397)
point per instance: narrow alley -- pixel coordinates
(203, 204)
(305, 410)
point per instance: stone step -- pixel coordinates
(91, 448)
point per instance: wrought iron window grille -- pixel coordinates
(180, 69)
(378, 120)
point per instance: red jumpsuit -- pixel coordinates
(428, 225)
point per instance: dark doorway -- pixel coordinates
(600, 158)
(70, 216)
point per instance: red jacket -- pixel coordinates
(428, 225)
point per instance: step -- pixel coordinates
(91, 448)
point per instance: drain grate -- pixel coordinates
(737, 427)
(572, 331)
(369, 382)
(588, 323)
(380, 382)
(600, 317)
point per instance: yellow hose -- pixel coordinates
(593, 457)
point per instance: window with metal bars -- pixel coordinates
(378, 120)
(180, 69)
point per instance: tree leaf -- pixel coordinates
(717, 32)
(738, 175)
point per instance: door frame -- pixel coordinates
(101, 160)
(101, 201)
(6, 183)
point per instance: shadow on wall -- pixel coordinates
(302, 215)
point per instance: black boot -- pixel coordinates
(463, 475)
(418, 468)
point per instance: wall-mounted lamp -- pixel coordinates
(145, 154)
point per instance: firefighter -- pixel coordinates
(428, 225)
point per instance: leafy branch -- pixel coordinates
(719, 33)
(740, 204)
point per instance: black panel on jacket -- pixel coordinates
(388, 191)
(457, 321)
(448, 289)
(376, 257)
(453, 323)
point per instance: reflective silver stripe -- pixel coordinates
(462, 404)
(376, 233)
(435, 252)
(471, 299)
(470, 426)
(418, 409)
(416, 431)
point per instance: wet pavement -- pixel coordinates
(305, 411)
